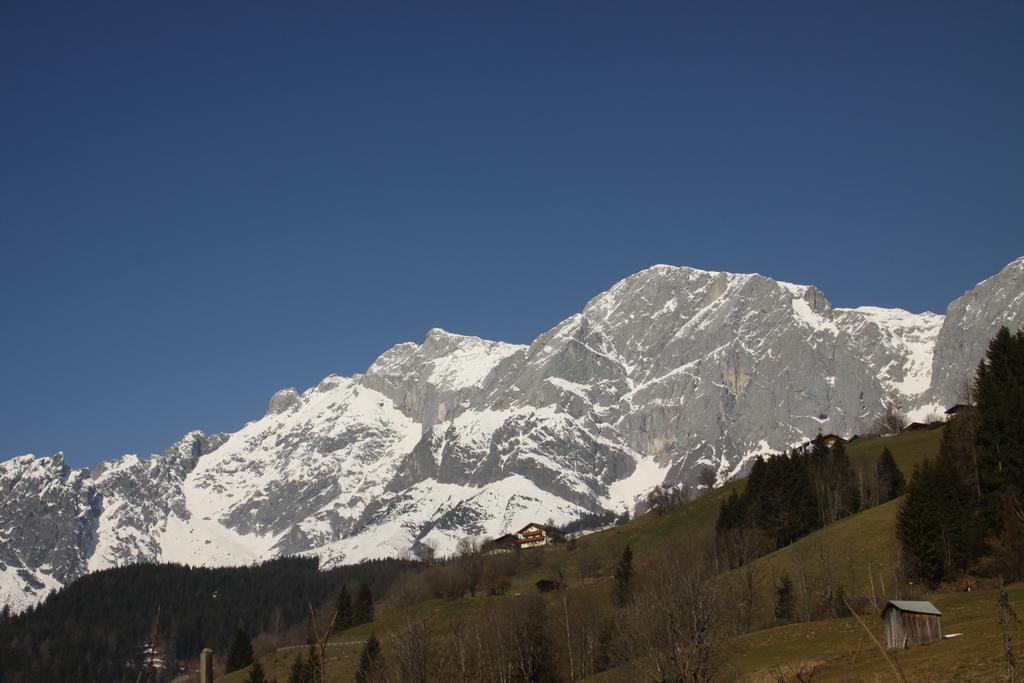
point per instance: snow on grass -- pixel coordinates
(623, 493)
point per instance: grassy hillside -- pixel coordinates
(852, 554)
(844, 651)
(908, 448)
(858, 554)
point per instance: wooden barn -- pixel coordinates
(911, 622)
(956, 411)
(501, 544)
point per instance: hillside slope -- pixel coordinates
(846, 549)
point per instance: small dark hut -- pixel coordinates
(827, 440)
(957, 410)
(911, 622)
(501, 544)
(546, 586)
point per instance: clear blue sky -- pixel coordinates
(201, 203)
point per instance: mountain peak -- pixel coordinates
(672, 368)
(284, 400)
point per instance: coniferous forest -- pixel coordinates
(964, 510)
(108, 625)
(790, 495)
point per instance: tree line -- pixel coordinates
(106, 626)
(964, 510)
(791, 495)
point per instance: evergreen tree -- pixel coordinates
(240, 653)
(344, 607)
(968, 502)
(301, 671)
(784, 600)
(779, 500)
(369, 661)
(363, 610)
(730, 516)
(623, 578)
(1000, 434)
(314, 667)
(938, 524)
(891, 483)
(834, 480)
(256, 674)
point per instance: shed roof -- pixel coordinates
(916, 606)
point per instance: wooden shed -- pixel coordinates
(911, 622)
(501, 544)
(956, 411)
(547, 586)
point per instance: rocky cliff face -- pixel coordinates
(48, 519)
(971, 322)
(670, 370)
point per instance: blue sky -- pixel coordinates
(201, 203)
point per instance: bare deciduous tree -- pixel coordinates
(892, 420)
(320, 639)
(673, 629)
(1007, 618)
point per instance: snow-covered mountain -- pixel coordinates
(670, 370)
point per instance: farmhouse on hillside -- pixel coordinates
(532, 535)
(911, 622)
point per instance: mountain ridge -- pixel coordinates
(671, 369)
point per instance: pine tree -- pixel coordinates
(784, 600)
(779, 499)
(1000, 435)
(959, 508)
(730, 516)
(344, 607)
(891, 483)
(314, 667)
(369, 661)
(240, 653)
(301, 671)
(834, 480)
(623, 578)
(363, 610)
(938, 525)
(256, 674)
